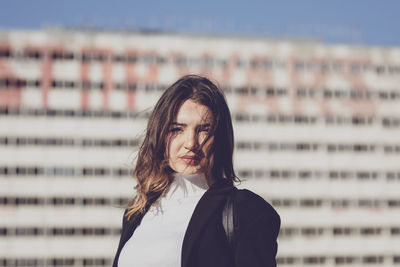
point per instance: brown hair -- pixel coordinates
(152, 172)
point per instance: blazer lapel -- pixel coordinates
(208, 205)
(128, 228)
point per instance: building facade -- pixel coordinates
(316, 134)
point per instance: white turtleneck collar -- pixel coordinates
(185, 185)
(163, 227)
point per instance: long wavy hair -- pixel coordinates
(152, 172)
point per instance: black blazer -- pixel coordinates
(205, 242)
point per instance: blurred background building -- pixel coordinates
(316, 126)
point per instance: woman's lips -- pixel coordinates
(190, 159)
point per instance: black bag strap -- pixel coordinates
(228, 219)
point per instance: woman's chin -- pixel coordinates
(188, 170)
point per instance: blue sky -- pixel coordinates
(364, 22)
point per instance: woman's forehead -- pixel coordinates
(193, 112)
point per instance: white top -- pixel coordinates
(157, 241)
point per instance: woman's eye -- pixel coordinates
(205, 130)
(176, 129)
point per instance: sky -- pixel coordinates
(365, 22)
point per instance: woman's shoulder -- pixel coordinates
(252, 205)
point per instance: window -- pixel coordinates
(314, 260)
(5, 52)
(372, 259)
(339, 260)
(34, 54)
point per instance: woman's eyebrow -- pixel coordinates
(184, 124)
(178, 123)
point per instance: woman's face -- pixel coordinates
(191, 127)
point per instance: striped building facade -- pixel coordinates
(317, 134)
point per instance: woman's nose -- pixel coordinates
(190, 140)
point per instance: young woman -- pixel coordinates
(185, 177)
